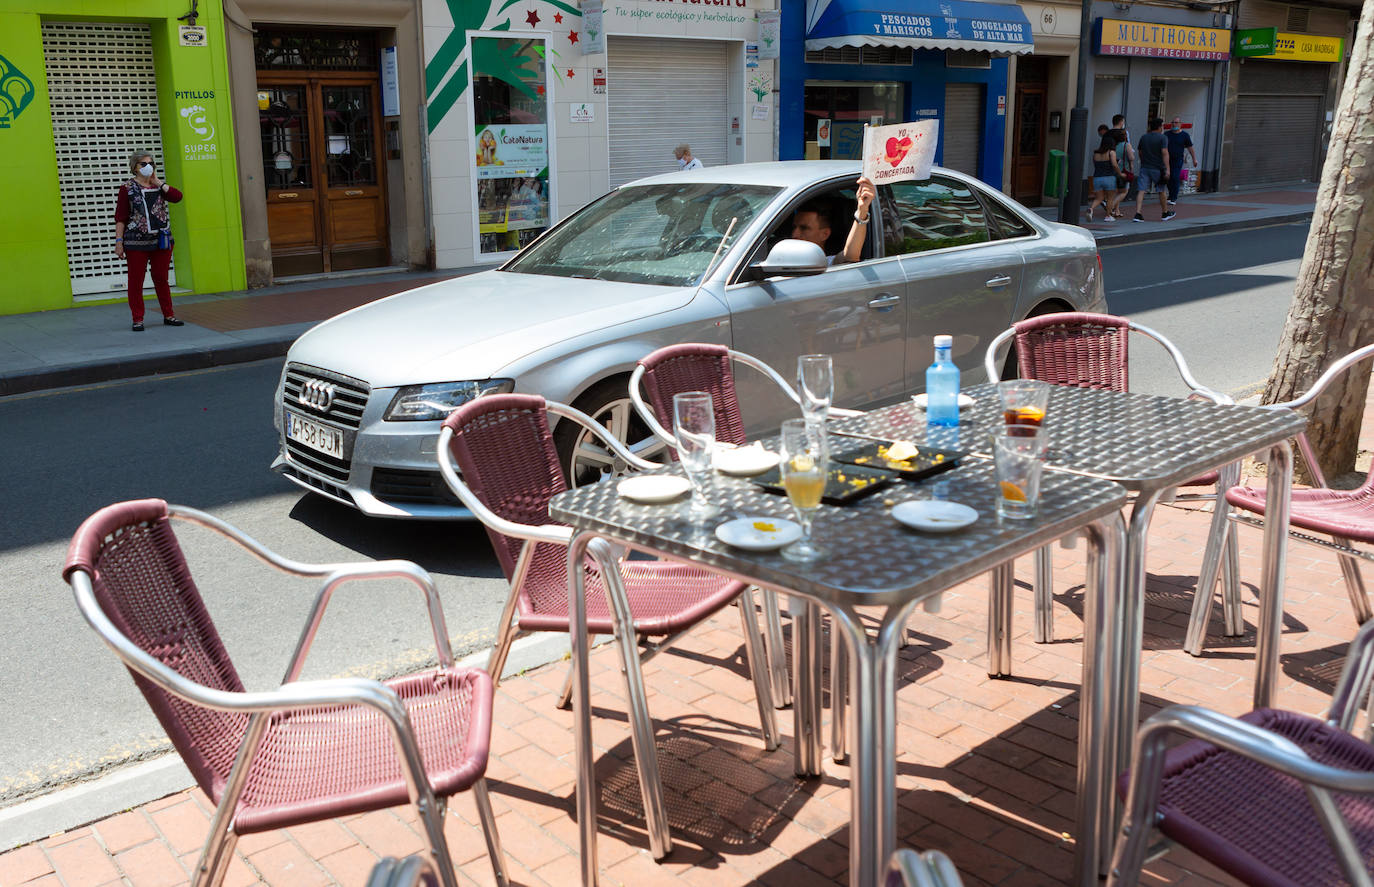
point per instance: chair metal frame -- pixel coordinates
(294, 694)
(1213, 562)
(929, 869)
(1347, 555)
(627, 638)
(1133, 844)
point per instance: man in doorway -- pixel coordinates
(685, 160)
(812, 223)
(1179, 141)
(1153, 152)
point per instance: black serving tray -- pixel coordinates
(928, 460)
(859, 481)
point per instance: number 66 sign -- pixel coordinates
(900, 152)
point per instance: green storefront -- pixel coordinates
(82, 86)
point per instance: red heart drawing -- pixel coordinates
(897, 150)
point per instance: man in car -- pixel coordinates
(812, 223)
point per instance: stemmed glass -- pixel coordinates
(816, 385)
(694, 426)
(804, 466)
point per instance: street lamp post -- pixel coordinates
(1078, 125)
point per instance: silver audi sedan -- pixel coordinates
(700, 256)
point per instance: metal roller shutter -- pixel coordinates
(103, 93)
(962, 126)
(1276, 138)
(663, 92)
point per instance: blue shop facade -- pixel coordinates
(847, 63)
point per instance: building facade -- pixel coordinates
(1042, 90)
(1284, 85)
(79, 93)
(536, 108)
(846, 64)
(329, 125)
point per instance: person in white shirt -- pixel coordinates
(685, 160)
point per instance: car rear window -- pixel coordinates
(931, 214)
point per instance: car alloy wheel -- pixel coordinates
(588, 460)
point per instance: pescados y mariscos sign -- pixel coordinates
(1153, 40)
(507, 150)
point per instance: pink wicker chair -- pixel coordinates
(503, 448)
(305, 751)
(1274, 798)
(1086, 350)
(1346, 516)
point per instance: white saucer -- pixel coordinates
(743, 461)
(758, 533)
(653, 488)
(919, 401)
(934, 515)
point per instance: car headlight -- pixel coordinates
(421, 403)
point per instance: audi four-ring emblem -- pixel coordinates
(316, 394)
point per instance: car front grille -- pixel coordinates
(413, 487)
(344, 409)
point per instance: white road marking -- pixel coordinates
(1251, 270)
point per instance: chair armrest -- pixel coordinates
(555, 533)
(1353, 685)
(990, 356)
(645, 412)
(1340, 366)
(1245, 739)
(753, 362)
(929, 869)
(253, 546)
(394, 569)
(1181, 365)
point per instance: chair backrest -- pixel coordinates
(504, 449)
(694, 367)
(1077, 349)
(144, 587)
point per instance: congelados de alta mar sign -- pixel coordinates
(1152, 40)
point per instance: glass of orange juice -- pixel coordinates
(1018, 455)
(805, 463)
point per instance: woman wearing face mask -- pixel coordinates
(143, 235)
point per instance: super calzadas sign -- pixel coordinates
(900, 152)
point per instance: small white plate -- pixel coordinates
(653, 488)
(743, 461)
(919, 401)
(934, 515)
(758, 533)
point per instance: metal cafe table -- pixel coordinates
(1147, 444)
(874, 563)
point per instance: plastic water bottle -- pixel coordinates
(942, 386)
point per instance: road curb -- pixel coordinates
(1120, 238)
(150, 365)
(145, 781)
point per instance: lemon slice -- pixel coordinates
(1012, 493)
(764, 526)
(902, 450)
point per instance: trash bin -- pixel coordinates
(1055, 183)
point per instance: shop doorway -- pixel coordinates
(1028, 135)
(321, 155)
(835, 114)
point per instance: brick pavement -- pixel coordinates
(985, 769)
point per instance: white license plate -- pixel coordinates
(314, 435)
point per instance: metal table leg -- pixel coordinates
(582, 711)
(1000, 603)
(806, 685)
(1101, 653)
(1278, 496)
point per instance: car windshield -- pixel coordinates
(656, 234)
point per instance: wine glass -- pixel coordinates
(694, 426)
(816, 385)
(804, 466)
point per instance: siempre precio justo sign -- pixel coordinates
(1154, 40)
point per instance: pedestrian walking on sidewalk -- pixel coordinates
(1179, 142)
(1105, 173)
(1129, 163)
(685, 160)
(1153, 152)
(143, 235)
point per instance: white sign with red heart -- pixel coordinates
(900, 152)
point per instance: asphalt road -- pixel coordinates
(206, 438)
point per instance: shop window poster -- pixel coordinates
(510, 141)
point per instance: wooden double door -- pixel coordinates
(323, 171)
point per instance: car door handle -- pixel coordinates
(884, 301)
(1000, 281)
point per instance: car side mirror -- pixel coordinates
(791, 258)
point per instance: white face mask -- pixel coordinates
(145, 170)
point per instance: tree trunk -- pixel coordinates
(1333, 306)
